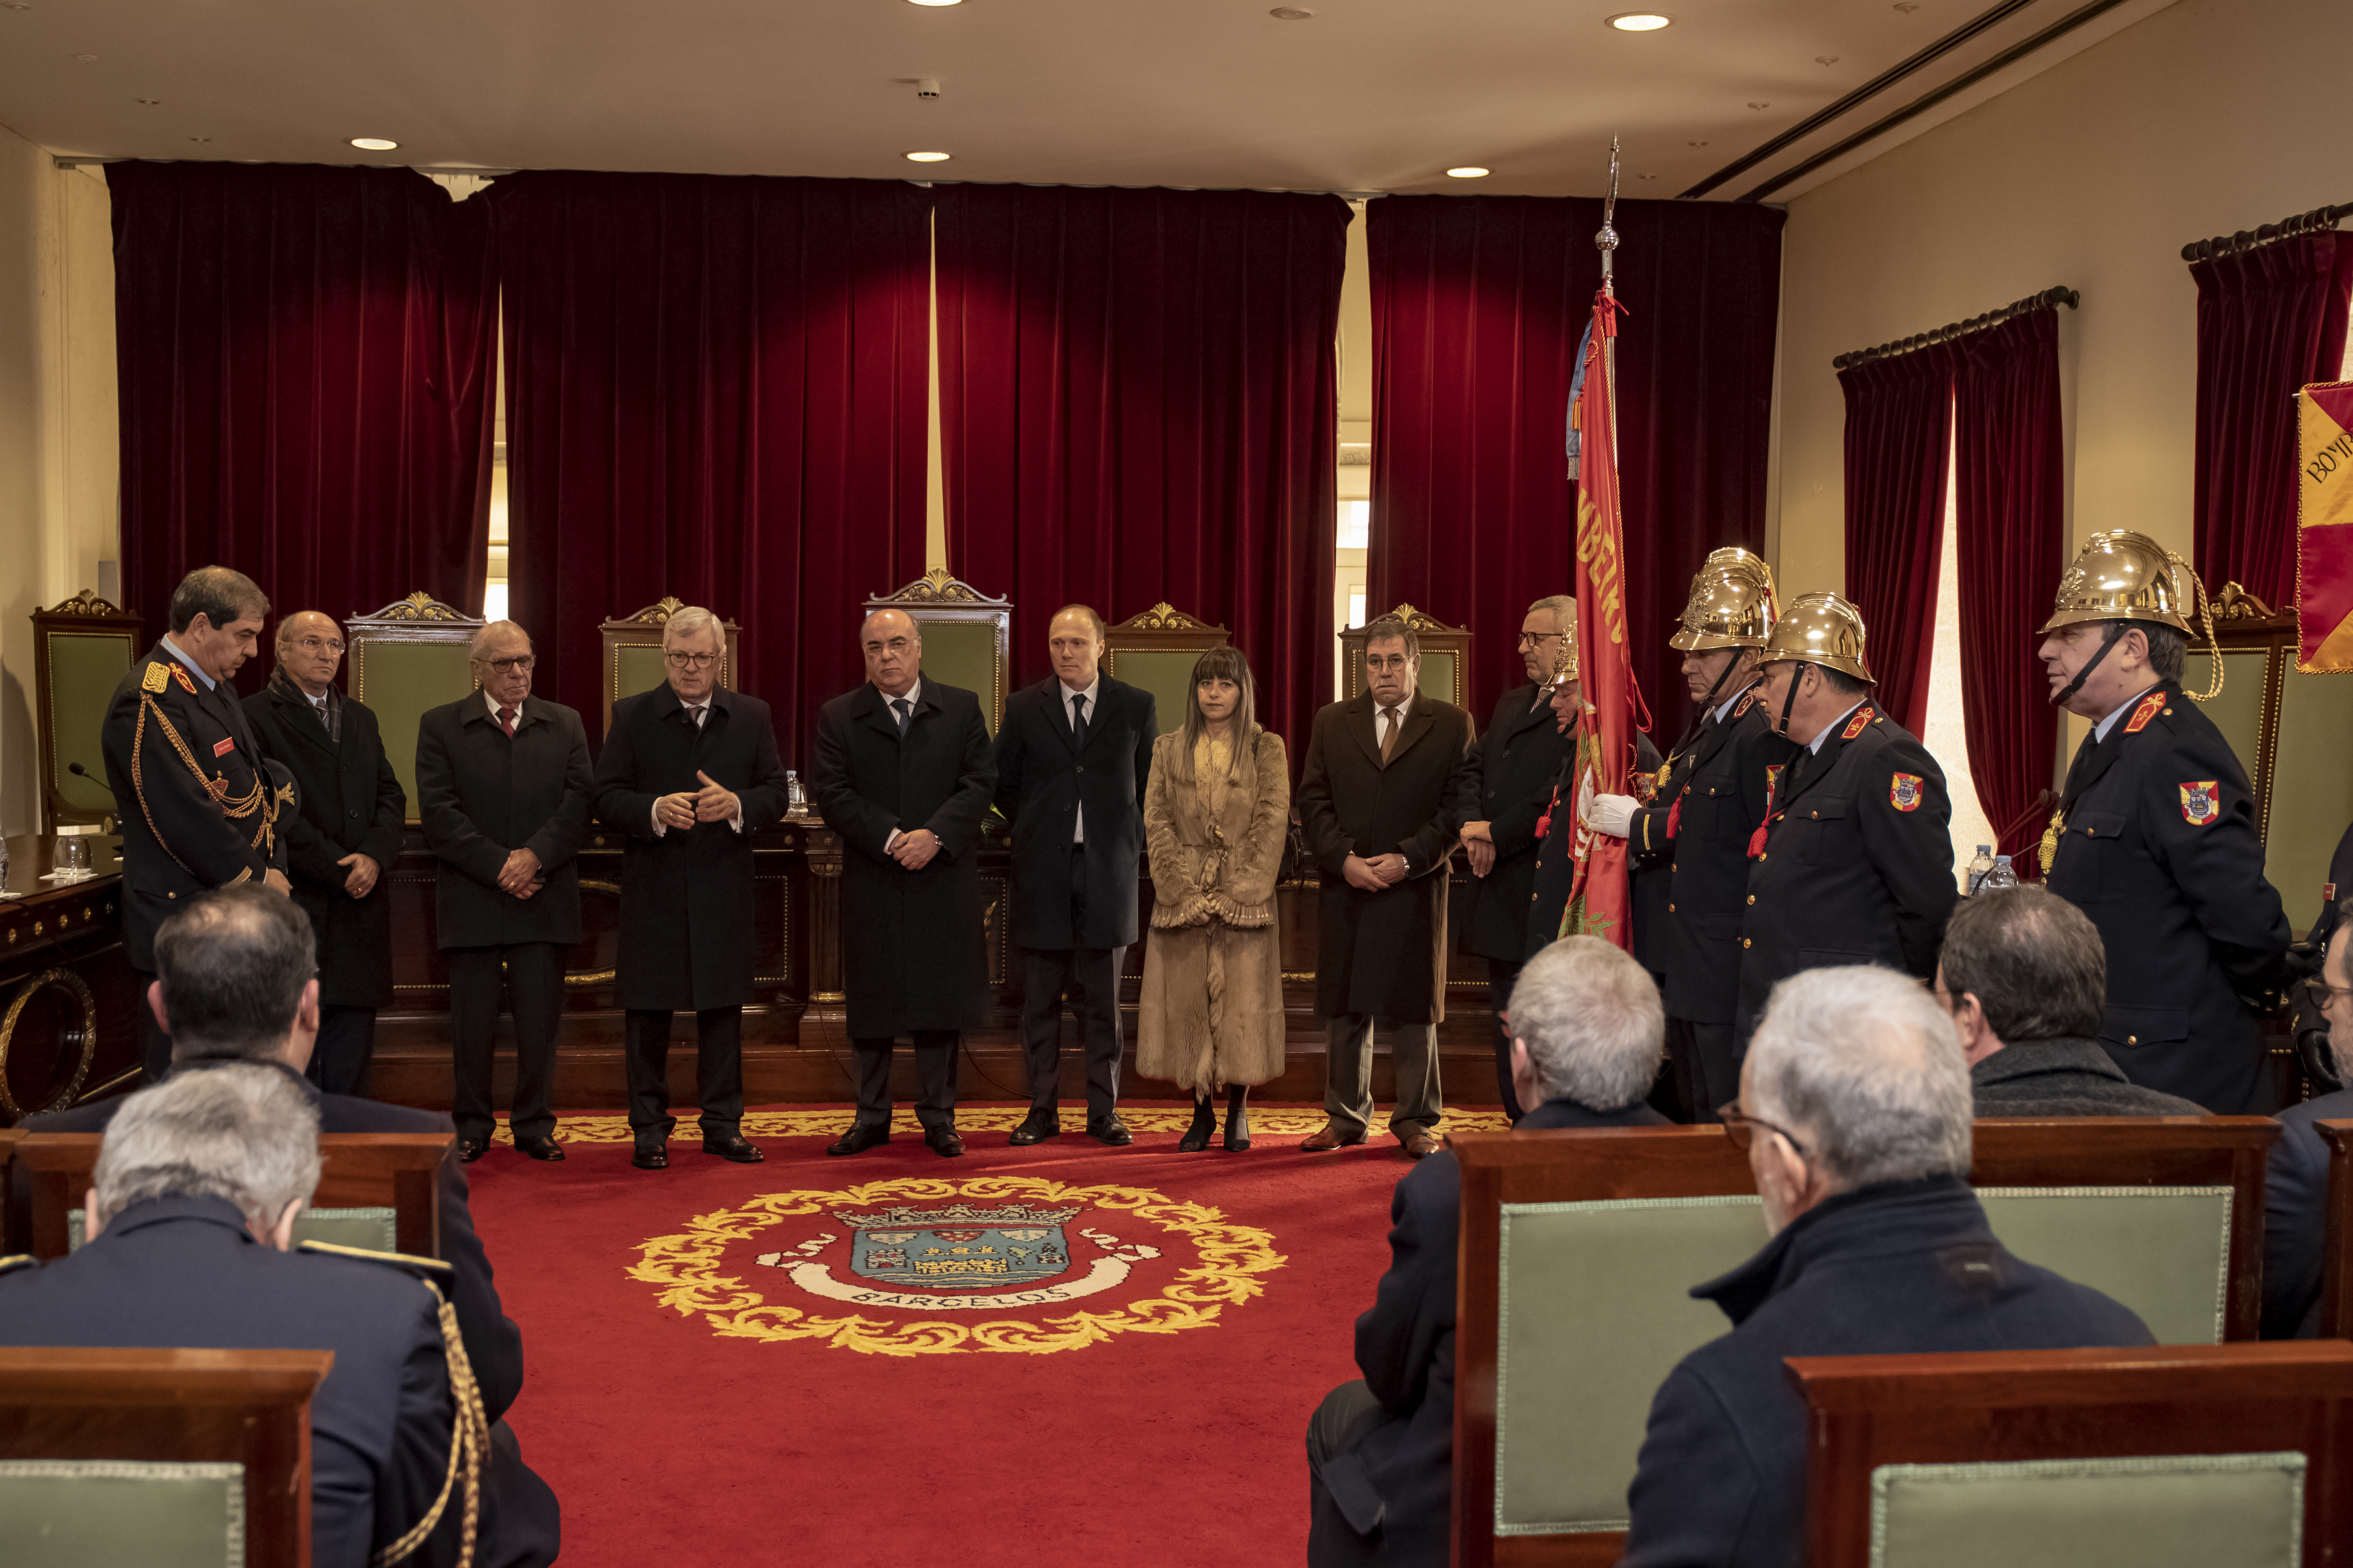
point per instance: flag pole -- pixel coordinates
(1607, 243)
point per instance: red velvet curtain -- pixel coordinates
(2270, 319)
(1138, 403)
(2010, 534)
(715, 389)
(304, 359)
(1898, 431)
(1478, 304)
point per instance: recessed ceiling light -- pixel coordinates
(938, 2)
(86, 60)
(374, 143)
(148, 102)
(1639, 21)
(1469, 172)
(927, 157)
(1826, 60)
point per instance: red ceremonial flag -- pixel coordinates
(1598, 902)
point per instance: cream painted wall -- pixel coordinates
(57, 433)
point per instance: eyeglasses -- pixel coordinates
(679, 659)
(1536, 639)
(510, 665)
(333, 645)
(1739, 1126)
(2321, 994)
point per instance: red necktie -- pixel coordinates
(507, 721)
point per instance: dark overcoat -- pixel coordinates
(1856, 865)
(1384, 955)
(1042, 781)
(1405, 1347)
(2296, 1219)
(2063, 1077)
(350, 802)
(1518, 758)
(686, 894)
(1895, 1269)
(188, 776)
(2161, 850)
(1695, 835)
(912, 938)
(480, 795)
(1556, 867)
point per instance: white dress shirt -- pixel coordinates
(1093, 694)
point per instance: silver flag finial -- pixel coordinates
(1606, 240)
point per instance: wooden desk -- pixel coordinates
(68, 1018)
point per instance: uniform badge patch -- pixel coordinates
(1747, 701)
(2328, 892)
(157, 677)
(224, 746)
(1904, 792)
(1859, 723)
(2150, 707)
(2201, 802)
(180, 674)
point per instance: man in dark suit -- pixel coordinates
(1380, 1451)
(1072, 757)
(1853, 862)
(690, 772)
(341, 839)
(236, 987)
(2155, 837)
(2296, 1196)
(1855, 1111)
(503, 788)
(904, 772)
(1382, 795)
(199, 805)
(1518, 761)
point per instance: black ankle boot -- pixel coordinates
(1205, 1121)
(1237, 1118)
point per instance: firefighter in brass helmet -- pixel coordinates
(2155, 837)
(1852, 862)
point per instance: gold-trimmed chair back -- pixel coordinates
(406, 659)
(967, 636)
(1156, 650)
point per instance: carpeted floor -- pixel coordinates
(722, 1369)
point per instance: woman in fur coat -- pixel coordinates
(1217, 813)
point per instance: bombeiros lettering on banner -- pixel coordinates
(2324, 534)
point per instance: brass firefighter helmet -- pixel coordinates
(2124, 576)
(1819, 629)
(1731, 603)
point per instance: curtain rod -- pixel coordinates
(2059, 295)
(2313, 222)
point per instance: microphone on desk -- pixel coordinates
(79, 771)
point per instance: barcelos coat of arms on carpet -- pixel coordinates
(982, 1265)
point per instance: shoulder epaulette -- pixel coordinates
(157, 676)
(17, 1261)
(396, 1259)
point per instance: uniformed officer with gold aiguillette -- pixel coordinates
(2155, 835)
(1854, 862)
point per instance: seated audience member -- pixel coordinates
(2025, 977)
(1854, 1110)
(189, 1247)
(2296, 1197)
(1588, 1037)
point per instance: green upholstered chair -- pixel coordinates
(372, 1229)
(166, 1459)
(407, 659)
(2180, 1456)
(633, 661)
(966, 636)
(1445, 655)
(1156, 650)
(81, 649)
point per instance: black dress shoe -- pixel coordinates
(1036, 1128)
(734, 1147)
(650, 1157)
(542, 1148)
(1111, 1130)
(945, 1142)
(859, 1139)
(472, 1149)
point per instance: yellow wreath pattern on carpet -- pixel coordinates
(686, 1266)
(1290, 1121)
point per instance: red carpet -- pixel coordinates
(711, 1378)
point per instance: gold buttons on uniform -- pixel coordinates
(1743, 942)
(2134, 1039)
(1815, 814)
(1752, 898)
(1670, 909)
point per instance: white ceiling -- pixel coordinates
(1368, 95)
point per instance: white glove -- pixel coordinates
(1613, 814)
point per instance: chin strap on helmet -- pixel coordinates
(1790, 699)
(2116, 632)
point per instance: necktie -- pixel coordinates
(898, 705)
(699, 709)
(1078, 719)
(1389, 733)
(507, 721)
(320, 708)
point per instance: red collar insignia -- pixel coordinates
(1747, 701)
(2150, 706)
(180, 674)
(1859, 723)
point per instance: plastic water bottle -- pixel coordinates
(2001, 875)
(1980, 867)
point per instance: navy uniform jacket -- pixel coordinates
(2296, 1219)
(2160, 850)
(350, 802)
(481, 794)
(1043, 780)
(1896, 1268)
(1403, 1468)
(1696, 833)
(1518, 758)
(1857, 863)
(191, 792)
(493, 1344)
(184, 1272)
(1556, 871)
(686, 894)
